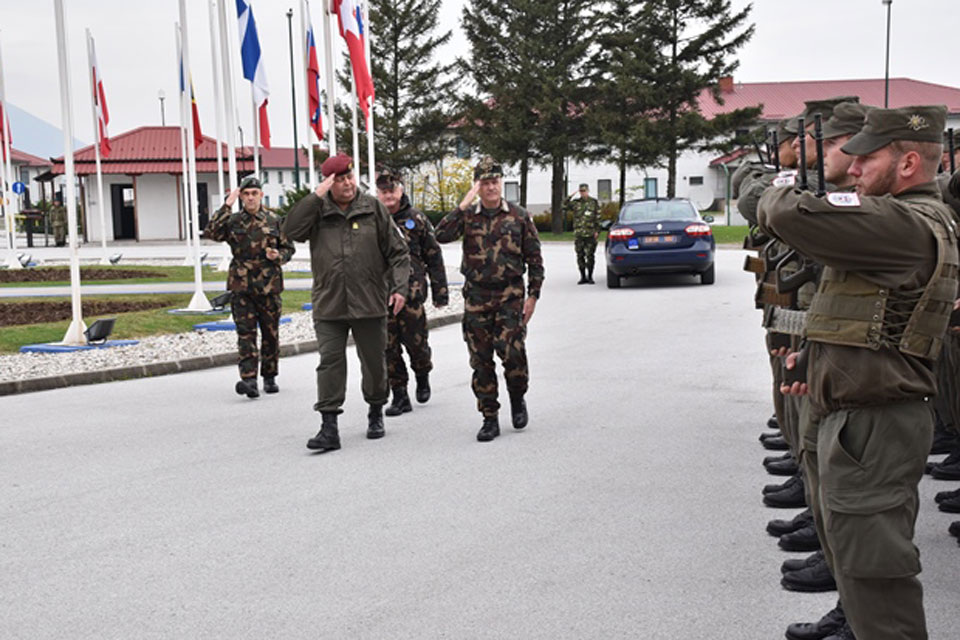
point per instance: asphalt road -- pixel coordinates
(629, 508)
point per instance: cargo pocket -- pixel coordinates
(871, 532)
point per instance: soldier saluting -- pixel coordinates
(259, 249)
(586, 230)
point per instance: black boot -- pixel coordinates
(803, 539)
(375, 420)
(423, 387)
(590, 276)
(583, 276)
(795, 564)
(782, 527)
(400, 404)
(270, 384)
(518, 412)
(328, 438)
(787, 467)
(813, 579)
(829, 624)
(489, 430)
(248, 387)
(790, 497)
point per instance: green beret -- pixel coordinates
(883, 126)
(847, 119)
(487, 168)
(250, 182)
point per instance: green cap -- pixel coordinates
(783, 134)
(487, 168)
(250, 182)
(812, 107)
(883, 126)
(847, 119)
(584, 186)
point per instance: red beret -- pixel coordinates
(339, 164)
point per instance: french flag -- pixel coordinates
(352, 30)
(253, 66)
(313, 79)
(100, 104)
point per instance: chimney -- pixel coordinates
(726, 84)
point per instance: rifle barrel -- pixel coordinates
(953, 167)
(818, 138)
(802, 139)
(776, 152)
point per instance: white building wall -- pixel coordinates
(277, 181)
(156, 207)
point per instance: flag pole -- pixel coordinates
(5, 186)
(199, 301)
(92, 64)
(371, 166)
(74, 334)
(329, 27)
(217, 104)
(256, 134)
(184, 173)
(356, 131)
(229, 95)
(305, 24)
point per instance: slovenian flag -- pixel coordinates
(253, 67)
(352, 30)
(100, 104)
(313, 79)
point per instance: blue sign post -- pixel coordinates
(18, 188)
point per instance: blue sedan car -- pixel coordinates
(659, 236)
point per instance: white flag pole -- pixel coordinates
(229, 95)
(356, 130)
(94, 97)
(371, 166)
(217, 104)
(305, 23)
(329, 29)
(184, 173)
(256, 134)
(74, 335)
(5, 186)
(199, 302)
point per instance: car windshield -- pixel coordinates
(650, 210)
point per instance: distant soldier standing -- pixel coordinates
(500, 243)
(408, 328)
(586, 230)
(58, 222)
(255, 281)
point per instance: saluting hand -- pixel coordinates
(324, 186)
(232, 197)
(271, 253)
(471, 196)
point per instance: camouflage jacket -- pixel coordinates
(586, 216)
(249, 236)
(425, 254)
(498, 248)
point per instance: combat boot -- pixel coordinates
(780, 458)
(518, 412)
(813, 579)
(328, 438)
(950, 505)
(948, 468)
(781, 527)
(776, 444)
(248, 387)
(788, 467)
(828, 624)
(774, 488)
(270, 384)
(844, 633)
(946, 495)
(944, 441)
(489, 430)
(423, 387)
(768, 435)
(401, 402)
(375, 421)
(803, 539)
(583, 277)
(773, 423)
(590, 277)
(954, 529)
(788, 498)
(795, 564)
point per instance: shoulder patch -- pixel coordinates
(784, 181)
(409, 224)
(843, 199)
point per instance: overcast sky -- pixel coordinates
(808, 40)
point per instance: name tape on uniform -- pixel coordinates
(843, 199)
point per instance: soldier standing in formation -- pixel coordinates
(361, 266)
(586, 230)
(255, 281)
(500, 243)
(409, 327)
(874, 329)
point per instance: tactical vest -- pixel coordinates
(849, 310)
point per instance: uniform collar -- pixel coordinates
(504, 206)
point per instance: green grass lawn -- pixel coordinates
(729, 235)
(138, 324)
(171, 274)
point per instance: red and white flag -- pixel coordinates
(354, 31)
(99, 104)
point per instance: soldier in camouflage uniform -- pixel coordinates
(500, 243)
(58, 222)
(409, 327)
(255, 281)
(586, 229)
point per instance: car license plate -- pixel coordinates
(659, 239)
(633, 243)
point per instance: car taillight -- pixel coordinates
(698, 229)
(620, 234)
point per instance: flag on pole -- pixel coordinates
(253, 66)
(197, 133)
(353, 31)
(100, 104)
(313, 80)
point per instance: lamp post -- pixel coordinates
(886, 73)
(293, 96)
(163, 116)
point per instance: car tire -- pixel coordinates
(708, 276)
(613, 280)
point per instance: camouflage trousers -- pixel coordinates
(586, 247)
(249, 311)
(407, 329)
(495, 326)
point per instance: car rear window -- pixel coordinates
(649, 210)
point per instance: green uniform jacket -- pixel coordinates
(249, 236)
(885, 243)
(426, 257)
(586, 216)
(359, 257)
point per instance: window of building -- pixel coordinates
(279, 177)
(511, 191)
(281, 201)
(696, 181)
(266, 177)
(463, 149)
(605, 190)
(266, 201)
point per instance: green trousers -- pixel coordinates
(370, 337)
(862, 470)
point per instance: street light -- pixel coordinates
(886, 73)
(163, 116)
(293, 95)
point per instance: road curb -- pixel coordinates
(170, 367)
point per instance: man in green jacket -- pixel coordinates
(361, 266)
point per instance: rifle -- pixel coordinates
(953, 167)
(802, 139)
(776, 152)
(818, 139)
(755, 239)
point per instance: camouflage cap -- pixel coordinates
(251, 182)
(584, 186)
(847, 119)
(487, 168)
(388, 178)
(824, 107)
(883, 126)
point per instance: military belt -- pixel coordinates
(787, 321)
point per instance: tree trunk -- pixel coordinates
(524, 170)
(556, 197)
(623, 177)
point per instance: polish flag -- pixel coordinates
(353, 31)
